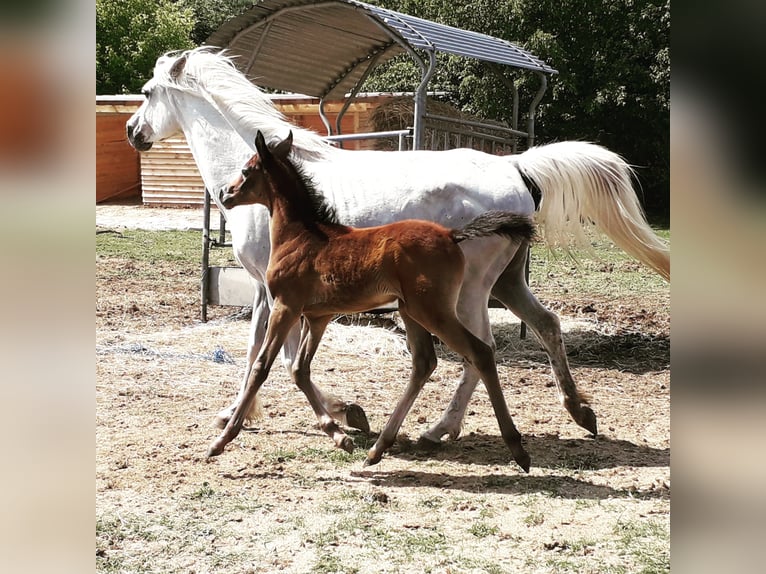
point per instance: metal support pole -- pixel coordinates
(420, 101)
(221, 228)
(324, 118)
(532, 107)
(355, 90)
(204, 286)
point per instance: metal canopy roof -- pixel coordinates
(326, 48)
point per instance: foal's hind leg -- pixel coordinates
(311, 334)
(514, 293)
(423, 364)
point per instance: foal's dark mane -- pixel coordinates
(304, 196)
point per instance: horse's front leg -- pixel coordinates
(349, 414)
(311, 334)
(258, 325)
(281, 321)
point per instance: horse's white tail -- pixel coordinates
(582, 182)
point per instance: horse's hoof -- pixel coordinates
(215, 449)
(427, 444)
(356, 418)
(372, 459)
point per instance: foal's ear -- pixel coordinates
(282, 149)
(260, 144)
(178, 66)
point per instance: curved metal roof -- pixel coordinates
(324, 48)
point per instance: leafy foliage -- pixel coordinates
(613, 85)
(613, 59)
(130, 35)
(210, 14)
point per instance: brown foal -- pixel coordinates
(319, 268)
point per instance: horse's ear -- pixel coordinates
(260, 144)
(178, 66)
(282, 149)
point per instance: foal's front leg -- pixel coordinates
(350, 414)
(311, 333)
(281, 321)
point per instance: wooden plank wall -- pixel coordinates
(166, 175)
(118, 167)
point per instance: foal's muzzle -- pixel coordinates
(226, 197)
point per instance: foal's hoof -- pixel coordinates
(373, 458)
(356, 418)
(215, 449)
(523, 460)
(588, 420)
(347, 444)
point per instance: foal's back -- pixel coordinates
(352, 270)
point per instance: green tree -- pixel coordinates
(130, 35)
(210, 14)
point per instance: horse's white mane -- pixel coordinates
(209, 72)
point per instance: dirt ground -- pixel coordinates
(282, 498)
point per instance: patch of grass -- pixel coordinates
(648, 542)
(280, 455)
(156, 246)
(204, 491)
(431, 502)
(605, 270)
(331, 454)
(112, 533)
(482, 530)
(534, 518)
(330, 563)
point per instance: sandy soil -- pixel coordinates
(281, 498)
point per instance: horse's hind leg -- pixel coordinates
(512, 290)
(311, 334)
(449, 329)
(485, 261)
(423, 364)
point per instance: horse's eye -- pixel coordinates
(246, 172)
(146, 93)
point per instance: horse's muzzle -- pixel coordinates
(137, 139)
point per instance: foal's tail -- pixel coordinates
(512, 225)
(581, 182)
